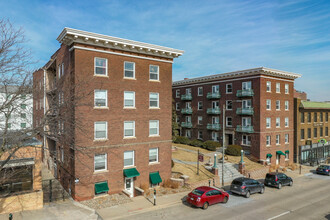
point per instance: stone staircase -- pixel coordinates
(230, 172)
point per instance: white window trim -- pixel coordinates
(286, 90)
(151, 107)
(227, 101)
(279, 105)
(125, 77)
(106, 163)
(227, 122)
(198, 105)
(279, 139)
(270, 86)
(200, 120)
(285, 120)
(155, 80)
(154, 135)
(279, 122)
(270, 138)
(133, 158)
(177, 93)
(227, 88)
(177, 106)
(198, 137)
(106, 131)
(106, 67)
(270, 123)
(286, 139)
(157, 161)
(198, 91)
(270, 104)
(279, 89)
(130, 107)
(247, 139)
(128, 137)
(286, 104)
(106, 98)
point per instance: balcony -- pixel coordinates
(213, 95)
(187, 111)
(186, 124)
(215, 127)
(187, 97)
(213, 111)
(245, 93)
(245, 129)
(245, 111)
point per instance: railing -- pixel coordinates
(186, 124)
(246, 129)
(215, 127)
(187, 111)
(213, 95)
(186, 97)
(213, 111)
(244, 111)
(245, 93)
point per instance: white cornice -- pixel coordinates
(69, 36)
(240, 73)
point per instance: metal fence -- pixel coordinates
(53, 191)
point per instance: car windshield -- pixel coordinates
(270, 176)
(323, 167)
(237, 183)
(198, 192)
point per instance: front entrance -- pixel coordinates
(229, 139)
(277, 159)
(129, 186)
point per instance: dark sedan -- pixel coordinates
(323, 169)
(246, 186)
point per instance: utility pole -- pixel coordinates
(223, 143)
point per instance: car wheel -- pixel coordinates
(262, 190)
(205, 205)
(247, 194)
(291, 183)
(279, 186)
(225, 200)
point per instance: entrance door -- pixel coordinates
(229, 139)
(277, 159)
(129, 186)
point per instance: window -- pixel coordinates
(246, 140)
(129, 129)
(60, 99)
(100, 66)
(153, 72)
(315, 132)
(286, 105)
(21, 179)
(215, 120)
(215, 104)
(286, 122)
(62, 66)
(215, 89)
(154, 100)
(177, 106)
(200, 135)
(129, 99)
(188, 133)
(229, 88)
(309, 117)
(23, 106)
(326, 132)
(309, 133)
(246, 104)
(315, 116)
(321, 131)
(188, 119)
(302, 117)
(268, 141)
(321, 116)
(277, 139)
(278, 105)
(177, 93)
(100, 98)
(153, 128)
(268, 122)
(269, 86)
(200, 105)
(100, 130)
(278, 122)
(246, 85)
(286, 88)
(129, 70)
(153, 155)
(177, 119)
(23, 125)
(188, 91)
(9, 125)
(100, 162)
(278, 87)
(229, 105)
(128, 158)
(200, 120)
(246, 121)
(229, 121)
(302, 134)
(268, 104)
(59, 71)
(23, 115)
(215, 136)
(200, 91)
(326, 117)
(286, 138)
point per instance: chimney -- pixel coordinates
(186, 78)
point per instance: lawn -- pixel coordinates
(191, 171)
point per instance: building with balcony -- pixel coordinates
(258, 107)
(107, 106)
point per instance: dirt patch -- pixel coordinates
(106, 201)
(191, 171)
(187, 156)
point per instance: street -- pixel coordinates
(308, 198)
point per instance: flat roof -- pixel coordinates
(314, 105)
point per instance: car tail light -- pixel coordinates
(326, 170)
(243, 187)
(198, 199)
(276, 179)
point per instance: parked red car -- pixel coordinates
(204, 196)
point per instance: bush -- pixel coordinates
(211, 145)
(182, 140)
(196, 143)
(234, 150)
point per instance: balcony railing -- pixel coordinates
(186, 124)
(244, 111)
(213, 95)
(245, 129)
(186, 97)
(213, 111)
(215, 127)
(187, 111)
(245, 93)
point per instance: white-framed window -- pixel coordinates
(286, 138)
(129, 70)
(177, 106)
(286, 122)
(59, 69)
(215, 136)
(154, 72)
(188, 119)
(229, 105)
(129, 129)
(177, 119)
(278, 122)
(177, 93)
(229, 121)
(287, 155)
(62, 66)
(215, 104)
(200, 135)
(277, 139)
(100, 98)
(188, 91)
(200, 91)
(100, 162)
(100, 130)
(246, 104)
(286, 105)
(129, 99)
(278, 88)
(286, 88)
(153, 100)
(268, 104)
(188, 105)
(200, 105)
(278, 105)
(269, 86)
(215, 89)
(246, 121)
(246, 140)
(62, 154)
(153, 155)
(215, 120)
(268, 140)
(153, 127)
(200, 120)
(188, 133)
(229, 88)
(128, 158)
(246, 85)
(100, 66)
(268, 122)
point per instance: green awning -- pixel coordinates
(280, 153)
(101, 187)
(287, 151)
(129, 173)
(269, 155)
(155, 178)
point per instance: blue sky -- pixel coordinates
(217, 36)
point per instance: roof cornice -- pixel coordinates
(70, 35)
(240, 73)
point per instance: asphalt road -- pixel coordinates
(308, 198)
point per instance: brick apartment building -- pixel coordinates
(258, 108)
(311, 130)
(116, 133)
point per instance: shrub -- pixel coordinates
(211, 145)
(196, 143)
(234, 150)
(182, 140)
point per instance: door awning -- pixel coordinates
(155, 178)
(287, 151)
(132, 172)
(269, 155)
(280, 153)
(101, 187)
